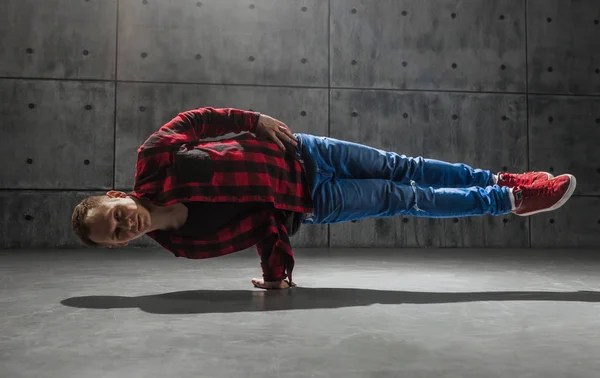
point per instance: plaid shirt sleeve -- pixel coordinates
(192, 125)
(276, 257)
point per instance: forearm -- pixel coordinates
(272, 265)
(213, 122)
(276, 259)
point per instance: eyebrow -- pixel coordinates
(111, 216)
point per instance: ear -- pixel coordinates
(116, 194)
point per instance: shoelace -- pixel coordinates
(509, 179)
(538, 190)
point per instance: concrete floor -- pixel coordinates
(357, 313)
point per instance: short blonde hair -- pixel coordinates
(81, 215)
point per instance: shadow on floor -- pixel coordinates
(225, 301)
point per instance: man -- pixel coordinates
(201, 199)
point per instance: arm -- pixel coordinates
(192, 125)
(211, 122)
(276, 260)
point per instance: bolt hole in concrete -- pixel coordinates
(30, 161)
(28, 217)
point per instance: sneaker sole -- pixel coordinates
(563, 200)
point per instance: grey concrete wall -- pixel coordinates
(498, 84)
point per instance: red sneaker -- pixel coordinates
(543, 196)
(522, 179)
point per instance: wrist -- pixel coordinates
(255, 117)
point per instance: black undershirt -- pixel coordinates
(208, 218)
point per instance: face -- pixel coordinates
(118, 221)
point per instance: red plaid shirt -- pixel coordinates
(175, 165)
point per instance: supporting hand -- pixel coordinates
(260, 283)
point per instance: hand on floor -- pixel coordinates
(260, 283)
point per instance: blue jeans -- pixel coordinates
(350, 181)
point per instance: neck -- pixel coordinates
(165, 217)
(168, 217)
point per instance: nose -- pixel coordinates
(128, 223)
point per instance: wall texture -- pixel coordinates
(498, 84)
